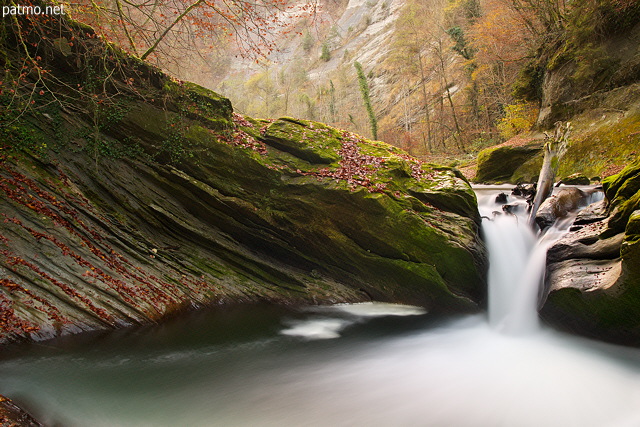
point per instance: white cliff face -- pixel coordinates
(364, 30)
(360, 32)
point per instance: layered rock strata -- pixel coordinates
(593, 275)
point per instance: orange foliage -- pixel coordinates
(499, 35)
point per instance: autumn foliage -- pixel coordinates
(166, 29)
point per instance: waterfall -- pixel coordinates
(517, 259)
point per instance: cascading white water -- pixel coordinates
(509, 243)
(517, 259)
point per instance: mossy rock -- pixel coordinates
(309, 141)
(302, 214)
(499, 164)
(609, 316)
(575, 179)
(623, 185)
(529, 171)
(216, 208)
(604, 137)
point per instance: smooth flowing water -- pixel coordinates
(348, 365)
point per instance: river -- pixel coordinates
(347, 365)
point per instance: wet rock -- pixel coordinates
(526, 191)
(586, 244)
(559, 206)
(511, 209)
(501, 198)
(11, 415)
(592, 284)
(593, 213)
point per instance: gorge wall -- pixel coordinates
(593, 274)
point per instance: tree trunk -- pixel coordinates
(425, 99)
(554, 149)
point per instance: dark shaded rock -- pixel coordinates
(575, 179)
(593, 273)
(11, 415)
(526, 191)
(498, 164)
(511, 209)
(501, 198)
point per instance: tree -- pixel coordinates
(364, 91)
(411, 38)
(554, 148)
(263, 87)
(307, 41)
(159, 27)
(326, 53)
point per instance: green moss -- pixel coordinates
(19, 134)
(624, 184)
(602, 140)
(529, 171)
(310, 141)
(499, 164)
(576, 179)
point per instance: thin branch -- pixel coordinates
(173, 24)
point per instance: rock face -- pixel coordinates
(572, 83)
(13, 416)
(593, 277)
(175, 201)
(506, 163)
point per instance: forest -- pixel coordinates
(445, 78)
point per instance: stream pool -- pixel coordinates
(264, 366)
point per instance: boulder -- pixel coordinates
(593, 275)
(501, 198)
(499, 164)
(559, 206)
(575, 179)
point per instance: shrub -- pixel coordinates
(326, 54)
(518, 118)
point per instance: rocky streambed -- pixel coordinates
(593, 273)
